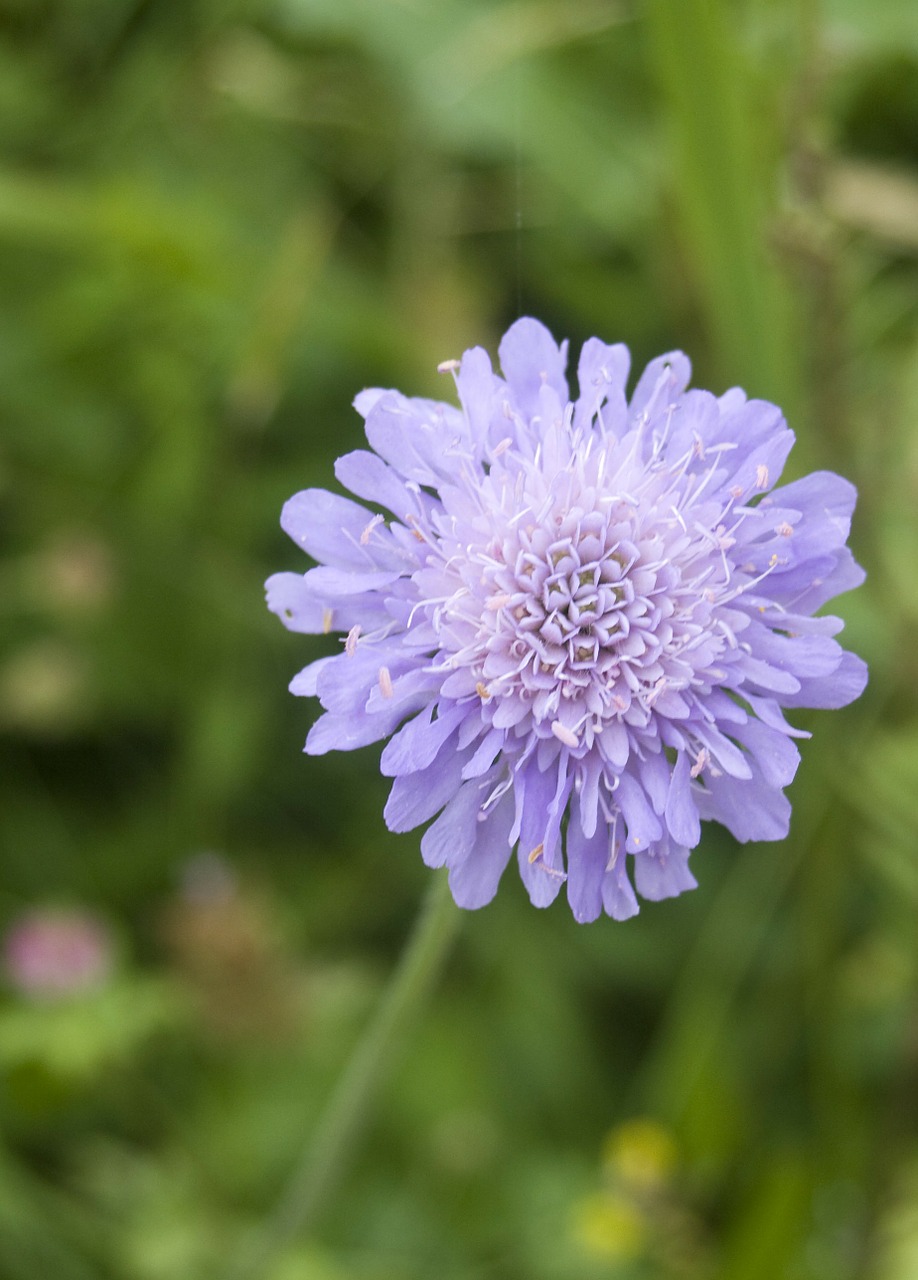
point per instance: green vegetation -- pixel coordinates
(219, 219)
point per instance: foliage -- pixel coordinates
(217, 222)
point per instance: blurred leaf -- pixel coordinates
(725, 185)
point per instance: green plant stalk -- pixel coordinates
(326, 1159)
(724, 150)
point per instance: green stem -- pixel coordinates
(325, 1161)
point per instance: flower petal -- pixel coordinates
(530, 358)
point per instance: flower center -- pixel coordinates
(563, 600)
(568, 608)
(583, 592)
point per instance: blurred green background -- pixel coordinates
(219, 219)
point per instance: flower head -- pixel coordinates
(50, 953)
(581, 621)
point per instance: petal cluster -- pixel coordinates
(578, 622)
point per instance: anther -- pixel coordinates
(701, 761)
(483, 691)
(350, 644)
(784, 529)
(761, 476)
(536, 853)
(565, 735)
(448, 366)
(328, 618)
(365, 536)
(385, 682)
(502, 447)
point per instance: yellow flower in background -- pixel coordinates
(640, 1153)
(610, 1225)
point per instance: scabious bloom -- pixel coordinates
(580, 621)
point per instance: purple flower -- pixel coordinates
(579, 621)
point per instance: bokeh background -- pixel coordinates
(219, 219)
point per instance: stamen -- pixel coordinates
(365, 536)
(448, 366)
(761, 476)
(385, 682)
(350, 644)
(328, 619)
(536, 853)
(412, 520)
(565, 735)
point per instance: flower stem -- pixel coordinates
(348, 1109)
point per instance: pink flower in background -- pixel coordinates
(50, 952)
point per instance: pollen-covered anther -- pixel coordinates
(564, 734)
(502, 447)
(328, 619)
(385, 682)
(701, 761)
(536, 853)
(448, 366)
(411, 521)
(761, 476)
(784, 529)
(350, 644)
(483, 691)
(365, 536)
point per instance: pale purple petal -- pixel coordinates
(366, 474)
(418, 742)
(681, 809)
(295, 605)
(618, 898)
(663, 872)
(601, 377)
(586, 866)
(474, 880)
(328, 527)
(661, 384)
(846, 683)
(416, 797)
(530, 358)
